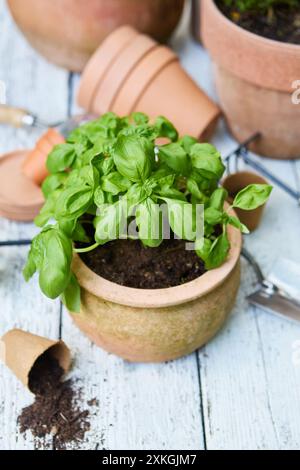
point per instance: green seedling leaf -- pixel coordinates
(71, 296)
(176, 158)
(134, 157)
(61, 158)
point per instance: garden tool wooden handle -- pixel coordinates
(15, 116)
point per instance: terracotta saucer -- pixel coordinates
(20, 198)
(100, 63)
(119, 72)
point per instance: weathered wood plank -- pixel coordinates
(30, 82)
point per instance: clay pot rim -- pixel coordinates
(160, 298)
(272, 42)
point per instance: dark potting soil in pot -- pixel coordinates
(129, 263)
(281, 23)
(56, 411)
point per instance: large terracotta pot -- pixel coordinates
(67, 32)
(254, 78)
(157, 325)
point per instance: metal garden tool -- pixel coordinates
(18, 117)
(280, 293)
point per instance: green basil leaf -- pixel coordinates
(218, 252)
(111, 223)
(73, 202)
(207, 160)
(48, 210)
(61, 158)
(149, 222)
(134, 157)
(71, 297)
(253, 196)
(176, 158)
(53, 182)
(203, 247)
(218, 199)
(56, 265)
(238, 224)
(187, 143)
(166, 129)
(193, 188)
(140, 118)
(99, 197)
(213, 216)
(115, 183)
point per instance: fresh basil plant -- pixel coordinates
(111, 166)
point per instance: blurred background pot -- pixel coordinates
(234, 183)
(254, 78)
(67, 32)
(162, 324)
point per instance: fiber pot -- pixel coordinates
(143, 76)
(67, 32)
(235, 183)
(157, 325)
(254, 78)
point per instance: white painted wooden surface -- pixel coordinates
(242, 391)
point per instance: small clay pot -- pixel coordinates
(146, 70)
(235, 183)
(20, 350)
(144, 325)
(34, 166)
(101, 61)
(254, 77)
(172, 93)
(119, 71)
(67, 32)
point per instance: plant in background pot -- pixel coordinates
(67, 32)
(140, 293)
(255, 46)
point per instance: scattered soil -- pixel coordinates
(129, 263)
(56, 410)
(280, 23)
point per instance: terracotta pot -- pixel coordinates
(254, 77)
(34, 166)
(148, 78)
(119, 71)
(172, 93)
(157, 325)
(67, 32)
(125, 101)
(235, 183)
(101, 61)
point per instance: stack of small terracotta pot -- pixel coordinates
(132, 72)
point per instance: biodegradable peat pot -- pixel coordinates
(20, 350)
(143, 76)
(254, 78)
(235, 183)
(157, 325)
(67, 32)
